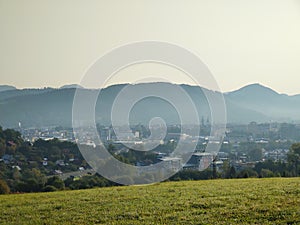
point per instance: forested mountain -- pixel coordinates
(52, 107)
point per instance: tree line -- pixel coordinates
(21, 168)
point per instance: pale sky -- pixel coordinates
(53, 42)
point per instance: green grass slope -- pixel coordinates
(244, 201)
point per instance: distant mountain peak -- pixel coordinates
(68, 86)
(256, 85)
(7, 88)
(255, 88)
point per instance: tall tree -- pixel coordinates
(294, 158)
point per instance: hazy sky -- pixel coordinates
(52, 42)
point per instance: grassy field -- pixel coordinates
(244, 201)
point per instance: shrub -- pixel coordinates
(56, 182)
(4, 189)
(266, 173)
(49, 188)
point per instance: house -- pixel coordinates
(58, 172)
(218, 165)
(11, 144)
(199, 161)
(17, 167)
(60, 162)
(172, 163)
(7, 158)
(45, 162)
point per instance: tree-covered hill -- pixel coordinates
(53, 107)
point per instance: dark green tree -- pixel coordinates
(294, 158)
(4, 189)
(232, 172)
(56, 182)
(255, 154)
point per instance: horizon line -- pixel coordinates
(114, 84)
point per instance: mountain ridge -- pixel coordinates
(52, 107)
(71, 86)
(7, 88)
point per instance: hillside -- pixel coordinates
(264, 100)
(53, 107)
(249, 201)
(70, 86)
(6, 88)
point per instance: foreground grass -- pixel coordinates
(244, 201)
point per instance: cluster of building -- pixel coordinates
(198, 161)
(33, 134)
